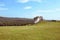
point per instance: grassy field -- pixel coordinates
(40, 31)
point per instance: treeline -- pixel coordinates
(15, 21)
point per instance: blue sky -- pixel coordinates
(49, 9)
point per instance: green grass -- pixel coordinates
(40, 31)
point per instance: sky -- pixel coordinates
(49, 9)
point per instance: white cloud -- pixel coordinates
(1, 8)
(45, 11)
(57, 9)
(28, 7)
(25, 1)
(22, 1)
(37, 12)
